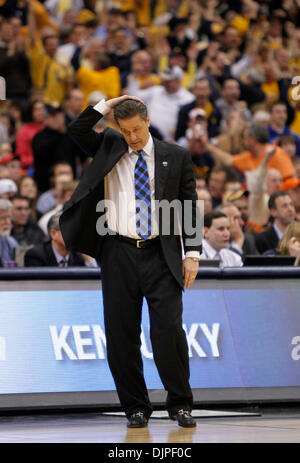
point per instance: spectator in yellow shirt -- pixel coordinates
(46, 72)
(103, 78)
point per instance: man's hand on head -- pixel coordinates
(115, 101)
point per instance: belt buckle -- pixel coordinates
(138, 243)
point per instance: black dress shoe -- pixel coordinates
(184, 418)
(137, 420)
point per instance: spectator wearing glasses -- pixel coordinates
(25, 229)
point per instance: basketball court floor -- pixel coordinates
(213, 426)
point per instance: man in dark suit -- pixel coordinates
(138, 259)
(283, 212)
(54, 253)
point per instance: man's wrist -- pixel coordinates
(102, 107)
(195, 255)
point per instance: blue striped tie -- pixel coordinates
(142, 197)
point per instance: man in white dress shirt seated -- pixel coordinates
(216, 240)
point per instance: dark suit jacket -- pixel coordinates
(249, 247)
(173, 180)
(42, 255)
(266, 240)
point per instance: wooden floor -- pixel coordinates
(279, 426)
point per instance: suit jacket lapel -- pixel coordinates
(162, 167)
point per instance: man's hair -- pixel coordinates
(20, 197)
(230, 173)
(259, 133)
(210, 216)
(277, 103)
(130, 108)
(53, 223)
(200, 79)
(274, 196)
(227, 79)
(5, 204)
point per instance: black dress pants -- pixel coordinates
(128, 275)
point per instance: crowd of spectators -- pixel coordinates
(219, 78)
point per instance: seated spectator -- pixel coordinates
(27, 188)
(67, 188)
(25, 229)
(283, 212)
(8, 188)
(7, 242)
(216, 240)
(256, 143)
(47, 200)
(292, 187)
(33, 118)
(240, 241)
(54, 253)
(278, 125)
(289, 245)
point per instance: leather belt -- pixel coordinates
(141, 244)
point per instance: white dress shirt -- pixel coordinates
(119, 190)
(227, 258)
